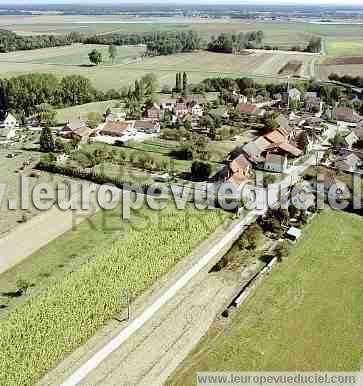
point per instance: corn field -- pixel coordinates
(38, 335)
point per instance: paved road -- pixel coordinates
(149, 312)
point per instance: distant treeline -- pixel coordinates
(10, 41)
(23, 93)
(157, 43)
(353, 80)
(167, 43)
(228, 42)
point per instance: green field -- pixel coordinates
(42, 331)
(199, 65)
(306, 316)
(351, 47)
(81, 111)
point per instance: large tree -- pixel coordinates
(150, 82)
(95, 57)
(46, 114)
(185, 84)
(47, 144)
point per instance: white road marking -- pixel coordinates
(116, 342)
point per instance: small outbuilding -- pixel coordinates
(294, 233)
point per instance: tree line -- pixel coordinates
(10, 41)
(22, 94)
(234, 43)
(348, 79)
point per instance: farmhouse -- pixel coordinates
(8, 126)
(247, 108)
(236, 171)
(275, 137)
(254, 149)
(276, 163)
(149, 127)
(153, 112)
(285, 149)
(76, 129)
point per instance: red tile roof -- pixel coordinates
(275, 137)
(247, 108)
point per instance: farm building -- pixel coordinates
(235, 172)
(153, 112)
(247, 108)
(149, 127)
(76, 129)
(294, 233)
(276, 163)
(116, 129)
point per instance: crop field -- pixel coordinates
(48, 327)
(199, 65)
(306, 316)
(348, 69)
(343, 65)
(348, 47)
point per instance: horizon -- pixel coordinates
(312, 3)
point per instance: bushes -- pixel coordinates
(97, 178)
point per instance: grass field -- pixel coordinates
(307, 316)
(10, 171)
(68, 312)
(350, 47)
(73, 55)
(81, 111)
(347, 69)
(199, 65)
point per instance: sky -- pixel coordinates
(120, 2)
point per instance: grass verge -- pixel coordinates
(307, 316)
